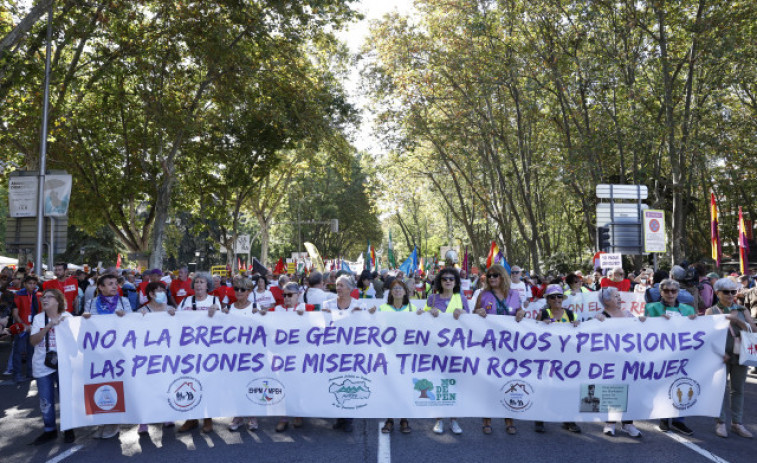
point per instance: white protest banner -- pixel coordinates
(156, 368)
(608, 260)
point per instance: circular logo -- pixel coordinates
(265, 391)
(184, 393)
(106, 397)
(517, 396)
(684, 393)
(654, 225)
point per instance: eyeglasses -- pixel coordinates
(397, 288)
(515, 271)
(289, 294)
(731, 292)
(669, 291)
(492, 275)
(240, 290)
(555, 296)
(448, 278)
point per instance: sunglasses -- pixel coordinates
(492, 275)
(448, 279)
(241, 290)
(555, 296)
(669, 291)
(732, 292)
(289, 294)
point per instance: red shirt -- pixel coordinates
(181, 289)
(622, 285)
(69, 287)
(224, 291)
(24, 305)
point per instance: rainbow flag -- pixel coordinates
(717, 251)
(492, 257)
(743, 245)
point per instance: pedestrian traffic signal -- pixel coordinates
(604, 242)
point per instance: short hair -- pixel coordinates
(30, 278)
(242, 282)
(572, 278)
(315, 279)
(208, 280)
(291, 286)
(61, 264)
(670, 283)
(346, 280)
(152, 286)
(606, 294)
(257, 280)
(619, 269)
(108, 276)
(390, 297)
(725, 284)
(283, 280)
(58, 297)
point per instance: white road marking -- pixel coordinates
(384, 445)
(66, 454)
(687, 443)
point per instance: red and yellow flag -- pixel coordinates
(743, 245)
(717, 251)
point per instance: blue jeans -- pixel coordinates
(46, 390)
(22, 346)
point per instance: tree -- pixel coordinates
(423, 385)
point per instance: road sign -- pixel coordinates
(654, 231)
(634, 192)
(618, 213)
(22, 194)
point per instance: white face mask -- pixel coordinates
(161, 297)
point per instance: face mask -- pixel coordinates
(643, 281)
(161, 297)
(228, 283)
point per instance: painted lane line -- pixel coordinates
(692, 446)
(384, 446)
(66, 454)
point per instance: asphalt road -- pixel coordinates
(316, 442)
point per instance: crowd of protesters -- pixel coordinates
(31, 307)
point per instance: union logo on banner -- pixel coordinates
(104, 398)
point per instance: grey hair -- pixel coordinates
(725, 284)
(291, 286)
(618, 269)
(670, 283)
(606, 294)
(208, 280)
(283, 280)
(346, 280)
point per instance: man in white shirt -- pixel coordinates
(519, 285)
(315, 294)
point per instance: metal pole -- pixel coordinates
(43, 149)
(51, 246)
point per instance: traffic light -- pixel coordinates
(604, 241)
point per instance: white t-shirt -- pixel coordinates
(464, 284)
(521, 288)
(186, 304)
(281, 308)
(38, 360)
(317, 296)
(247, 311)
(332, 305)
(264, 299)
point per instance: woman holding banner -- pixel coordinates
(447, 298)
(42, 337)
(741, 319)
(669, 307)
(202, 300)
(243, 287)
(498, 299)
(554, 312)
(610, 300)
(398, 300)
(346, 304)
